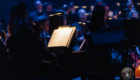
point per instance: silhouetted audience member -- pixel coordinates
(24, 48)
(98, 18)
(97, 24)
(33, 15)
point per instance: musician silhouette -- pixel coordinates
(98, 18)
(24, 47)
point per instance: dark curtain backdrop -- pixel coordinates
(4, 5)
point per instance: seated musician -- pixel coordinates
(98, 23)
(133, 14)
(23, 45)
(82, 26)
(48, 9)
(44, 26)
(33, 15)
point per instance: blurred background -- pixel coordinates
(4, 4)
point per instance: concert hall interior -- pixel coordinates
(69, 39)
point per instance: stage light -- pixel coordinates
(118, 4)
(0, 37)
(110, 18)
(65, 5)
(84, 7)
(76, 7)
(51, 15)
(138, 3)
(58, 13)
(86, 14)
(84, 23)
(110, 14)
(79, 22)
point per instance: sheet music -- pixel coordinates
(60, 37)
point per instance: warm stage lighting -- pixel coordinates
(118, 4)
(84, 7)
(76, 7)
(51, 15)
(58, 13)
(84, 23)
(86, 14)
(138, 3)
(110, 18)
(79, 22)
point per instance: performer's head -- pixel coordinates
(48, 7)
(134, 15)
(38, 5)
(17, 14)
(44, 24)
(99, 2)
(18, 10)
(82, 16)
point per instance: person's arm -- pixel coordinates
(45, 53)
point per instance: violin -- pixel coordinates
(137, 69)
